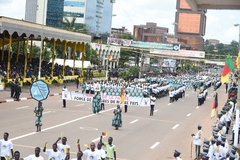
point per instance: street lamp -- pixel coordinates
(174, 34)
(140, 70)
(238, 95)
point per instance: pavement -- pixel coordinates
(55, 90)
(141, 137)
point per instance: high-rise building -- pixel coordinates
(97, 14)
(150, 32)
(190, 26)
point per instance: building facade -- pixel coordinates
(115, 32)
(213, 41)
(150, 32)
(108, 55)
(190, 26)
(97, 14)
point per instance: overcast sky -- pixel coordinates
(129, 12)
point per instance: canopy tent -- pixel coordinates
(70, 63)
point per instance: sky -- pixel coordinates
(220, 23)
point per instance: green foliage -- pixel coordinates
(71, 25)
(91, 55)
(134, 71)
(125, 54)
(220, 51)
(127, 36)
(124, 75)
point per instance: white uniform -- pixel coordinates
(197, 138)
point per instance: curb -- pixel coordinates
(27, 98)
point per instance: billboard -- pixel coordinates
(180, 53)
(169, 63)
(146, 45)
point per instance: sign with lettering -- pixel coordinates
(39, 90)
(132, 101)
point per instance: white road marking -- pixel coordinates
(22, 107)
(155, 111)
(61, 124)
(175, 126)
(134, 121)
(169, 104)
(79, 105)
(155, 145)
(24, 98)
(56, 94)
(188, 114)
(9, 100)
(197, 107)
(46, 112)
(186, 95)
(97, 139)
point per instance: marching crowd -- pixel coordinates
(60, 151)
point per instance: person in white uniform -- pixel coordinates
(6, 146)
(197, 141)
(176, 155)
(35, 156)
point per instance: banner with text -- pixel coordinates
(146, 45)
(132, 101)
(180, 53)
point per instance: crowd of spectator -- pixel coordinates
(17, 68)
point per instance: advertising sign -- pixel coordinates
(169, 63)
(180, 53)
(146, 45)
(132, 101)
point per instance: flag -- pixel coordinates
(7, 157)
(237, 61)
(62, 134)
(46, 144)
(122, 96)
(78, 141)
(229, 65)
(66, 150)
(214, 107)
(105, 134)
(86, 145)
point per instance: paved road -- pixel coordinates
(142, 137)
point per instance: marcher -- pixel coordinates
(18, 91)
(12, 85)
(79, 153)
(64, 100)
(176, 155)
(6, 147)
(117, 118)
(96, 103)
(62, 146)
(91, 153)
(197, 141)
(226, 87)
(152, 104)
(16, 156)
(77, 82)
(38, 119)
(83, 87)
(53, 153)
(102, 153)
(35, 156)
(110, 149)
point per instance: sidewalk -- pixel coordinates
(54, 91)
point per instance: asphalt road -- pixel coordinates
(142, 137)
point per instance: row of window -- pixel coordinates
(74, 4)
(73, 14)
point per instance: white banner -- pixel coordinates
(132, 101)
(180, 53)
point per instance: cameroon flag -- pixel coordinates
(229, 65)
(122, 96)
(214, 107)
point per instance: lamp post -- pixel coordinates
(140, 70)
(238, 95)
(41, 46)
(174, 33)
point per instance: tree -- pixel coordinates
(71, 25)
(206, 42)
(127, 36)
(91, 55)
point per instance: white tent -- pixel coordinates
(69, 62)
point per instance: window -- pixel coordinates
(74, 4)
(73, 14)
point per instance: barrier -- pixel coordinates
(132, 101)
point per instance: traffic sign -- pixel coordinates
(39, 90)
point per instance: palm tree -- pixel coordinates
(71, 25)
